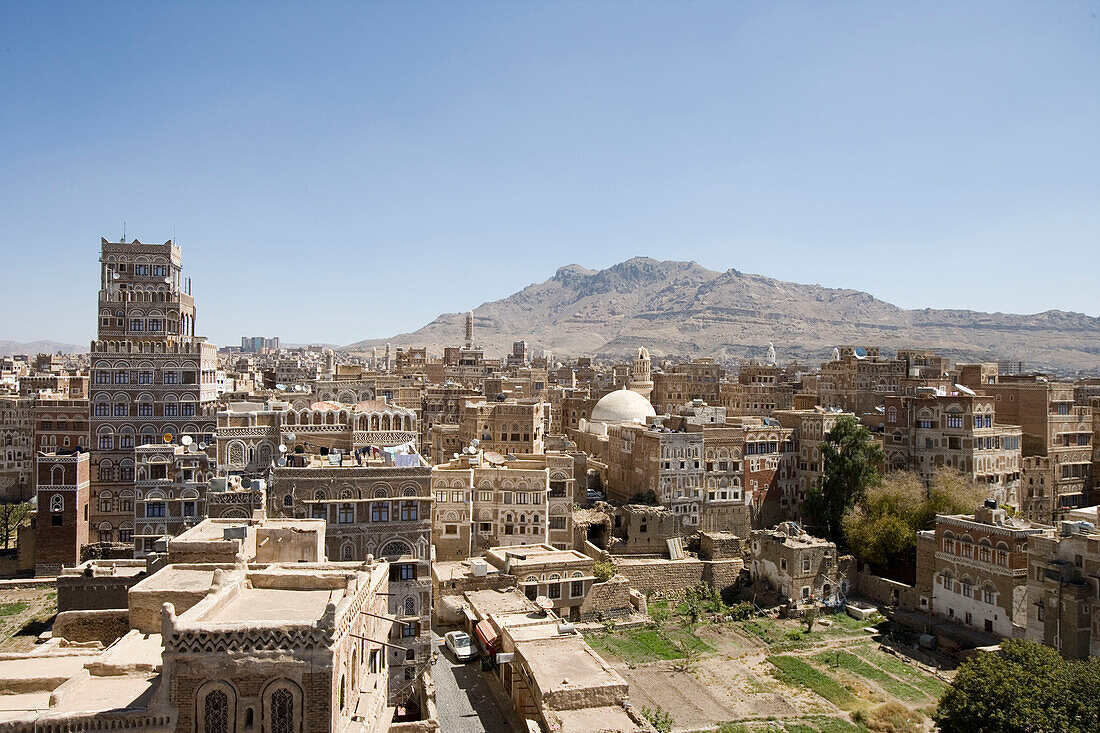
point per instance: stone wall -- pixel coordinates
(652, 575)
(720, 546)
(103, 626)
(607, 600)
(88, 593)
(883, 590)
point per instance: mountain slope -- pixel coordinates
(7, 348)
(683, 309)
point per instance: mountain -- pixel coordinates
(681, 309)
(7, 348)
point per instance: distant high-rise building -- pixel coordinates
(256, 344)
(152, 380)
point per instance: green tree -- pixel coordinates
(648, 497)
(1024, 688)
(12, 514)
(850, 461)
(882, 528)
(603, 571)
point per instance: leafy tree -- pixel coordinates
(882, 528)
(1025, 688)
(850, 461)
(603, 571)
(12, 514)
(649, 497)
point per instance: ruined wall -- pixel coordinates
(883, 590)
(607, 600)
(104, 626)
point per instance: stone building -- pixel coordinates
(796, 565)
(249, 435)
(152, 379)
(562, 576)
(16, 448)
(63, 484)
(371, 509)
(956, 430)
(553, 678)
(169, 492)
(979, 575)
(482, 501)
(1063, 610)
(61, 423)
(809, 428)
(245, 628)
(694, 380)
(858, 379)
(1057, 443)
(509, 427)
(442, 404)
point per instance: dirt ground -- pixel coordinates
(24, 614)
(737, 683)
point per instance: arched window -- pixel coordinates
(288, 499)
(283, 704)
(57, 503)
(396, 548)
(215, 718)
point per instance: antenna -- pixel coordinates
(123, 232)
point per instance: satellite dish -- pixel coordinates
(282, 449)
(860, 352)
(202, 446)
(281, 462)
(475, 442)
(290, 437)
(456, 455)
(167, 281)
(281, 387)
(167, 437)
(114, 275)
(544, 603)
(187, 440)
(246, 483)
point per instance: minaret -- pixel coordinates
(641, 380)
(387, 357)
(771, 354)
(469, 329)
(374, 357)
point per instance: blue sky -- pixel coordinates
(350, 170)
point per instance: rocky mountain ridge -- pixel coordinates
(681, 309)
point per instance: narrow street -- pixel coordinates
(463, 699)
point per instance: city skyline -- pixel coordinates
(386, 149)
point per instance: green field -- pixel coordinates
(855, 665)
(795, 671)
(647, 644)
(929, 685)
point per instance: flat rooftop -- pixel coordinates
(607, 717)
(269, 604)
(566, 662)
(499, 602)
(177, 578)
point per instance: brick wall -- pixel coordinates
(674, 576)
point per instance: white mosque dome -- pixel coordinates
(622, 405)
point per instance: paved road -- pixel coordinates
(463, 699)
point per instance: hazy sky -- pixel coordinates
(344, 171)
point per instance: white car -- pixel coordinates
(461, 645)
